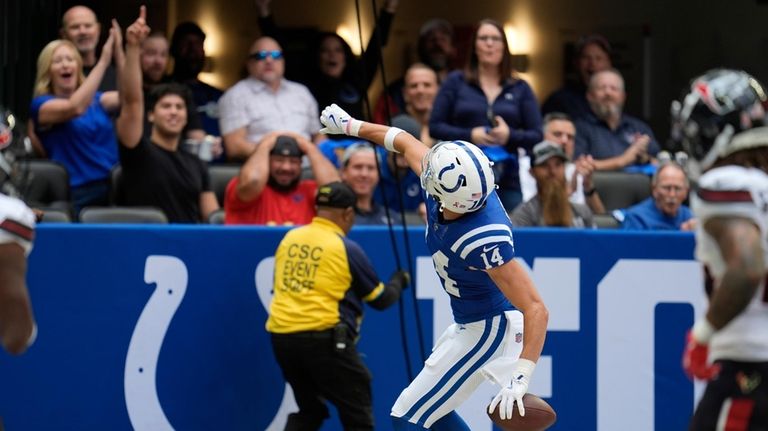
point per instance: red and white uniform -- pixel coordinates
(734, 191)
(17, 223)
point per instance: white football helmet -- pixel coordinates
(458, 175)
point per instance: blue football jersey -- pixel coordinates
(462, 249)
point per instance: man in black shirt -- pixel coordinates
(155, 171)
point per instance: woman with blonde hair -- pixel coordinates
(72, 118)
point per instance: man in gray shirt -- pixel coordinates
(551, 206)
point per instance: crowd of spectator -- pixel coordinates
(268, 126)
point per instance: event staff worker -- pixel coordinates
(322, 280)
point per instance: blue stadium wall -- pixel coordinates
(155, 328)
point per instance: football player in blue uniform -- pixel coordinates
(492, 296)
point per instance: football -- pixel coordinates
(538, 416)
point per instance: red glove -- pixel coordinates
(695, 360)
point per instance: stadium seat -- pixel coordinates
(606, 221)
(45, 184)
(54, 215)
(620, 189)
(122, 215)
(115, 185)
(216, 217)
(220, 176)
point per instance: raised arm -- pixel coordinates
(59, 110)
(130, 123)
(338, 122)
(322, 168)
(255, 171)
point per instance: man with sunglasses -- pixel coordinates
(264, 102)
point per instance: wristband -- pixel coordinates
(389, 139)
(524, 367)
(702, 331)
(353, 127)
(590, 192)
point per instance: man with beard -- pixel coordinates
(551, 206)
(593, 54)
(664, 210)
(80, 26)
(614, 139)
(269, 189)
(154, 62)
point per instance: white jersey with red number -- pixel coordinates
(734, 191)
(17, 223)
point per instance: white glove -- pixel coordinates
(338, 122)
(507, 397)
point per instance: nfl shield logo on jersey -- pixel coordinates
(519, 337)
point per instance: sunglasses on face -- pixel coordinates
(274, 54)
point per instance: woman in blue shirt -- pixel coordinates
(72, 119)
(489, 106)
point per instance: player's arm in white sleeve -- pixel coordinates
(337, 122)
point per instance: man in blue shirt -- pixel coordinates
(664, 210)
(614, 139)
(492, 296)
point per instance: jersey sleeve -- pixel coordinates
(486, 247)
(17, 223)
(365, 282)
(732, 191)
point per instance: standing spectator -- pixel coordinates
(188, 52)
(315, 315)
(336, 74)
(436, 50)
(592, 55)
(80, 26)
(470, 238)
(269, 189)
(155, 171)
(614, 139)
(664, 210)
(551, 205)
(486, 105)
(264, 102)
(559, 128)
(359, 171)
(154, 62)
(72, 118)
(17, 323)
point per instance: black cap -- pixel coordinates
(335, 195)
(286, 146)
(408, 124)
(545, 150)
